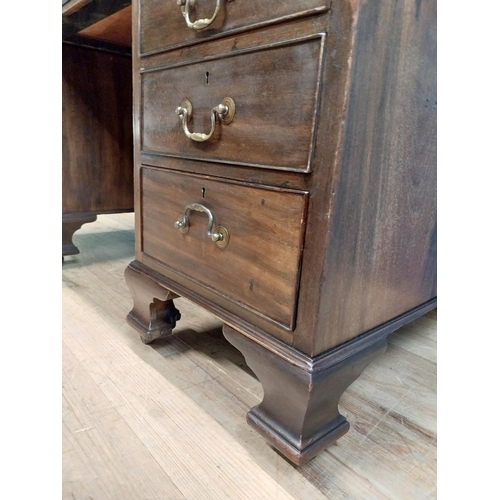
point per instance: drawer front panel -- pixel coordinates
(163, 27)
(260, 267)
(275, 91)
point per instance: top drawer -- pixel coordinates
(163, 25)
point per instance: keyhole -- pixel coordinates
(207, 75)
(203, 193)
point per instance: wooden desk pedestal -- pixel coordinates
(285, 158)
(97, 155)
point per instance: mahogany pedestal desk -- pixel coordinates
(285, 157)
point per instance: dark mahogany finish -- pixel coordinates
(154, 313)
(71, 224)
(97, 158)
(265, 246)
(385, 181)
(163, 28)
(100, 24)
(341, 128)
(299, 413)
(268, 111)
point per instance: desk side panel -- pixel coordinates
(381, 260)
(97, 159)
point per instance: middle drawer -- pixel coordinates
(257, 262)
(275, 92)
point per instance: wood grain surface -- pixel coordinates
(115, 29)
(276, 107)
(260, 266)
(381, 259)
(107, 19)
(97, 159)
(369, 252)
(164, 27)
(168, 420)
(369, 248)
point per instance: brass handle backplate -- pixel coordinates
(223, 111)
(186, 9)
(220, 236)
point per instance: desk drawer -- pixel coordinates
(259, 269)
(163, 25)
(275, 92)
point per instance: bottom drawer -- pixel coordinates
(256, 264)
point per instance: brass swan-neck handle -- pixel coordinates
(220, 236)
(186, 9)
(224, 111)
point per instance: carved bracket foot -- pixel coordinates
(70, 225)
(154, 314)
(299, 413)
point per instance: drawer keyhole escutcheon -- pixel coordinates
(220, 236)
(223, 111)
(186, 9)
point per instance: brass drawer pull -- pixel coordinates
(224, 111)
(220, 236)
(186, 7)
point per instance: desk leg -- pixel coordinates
(70, 225)
(299, 413)
(154, 314)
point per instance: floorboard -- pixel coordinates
(167, 421)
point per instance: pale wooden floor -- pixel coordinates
(167, 421)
